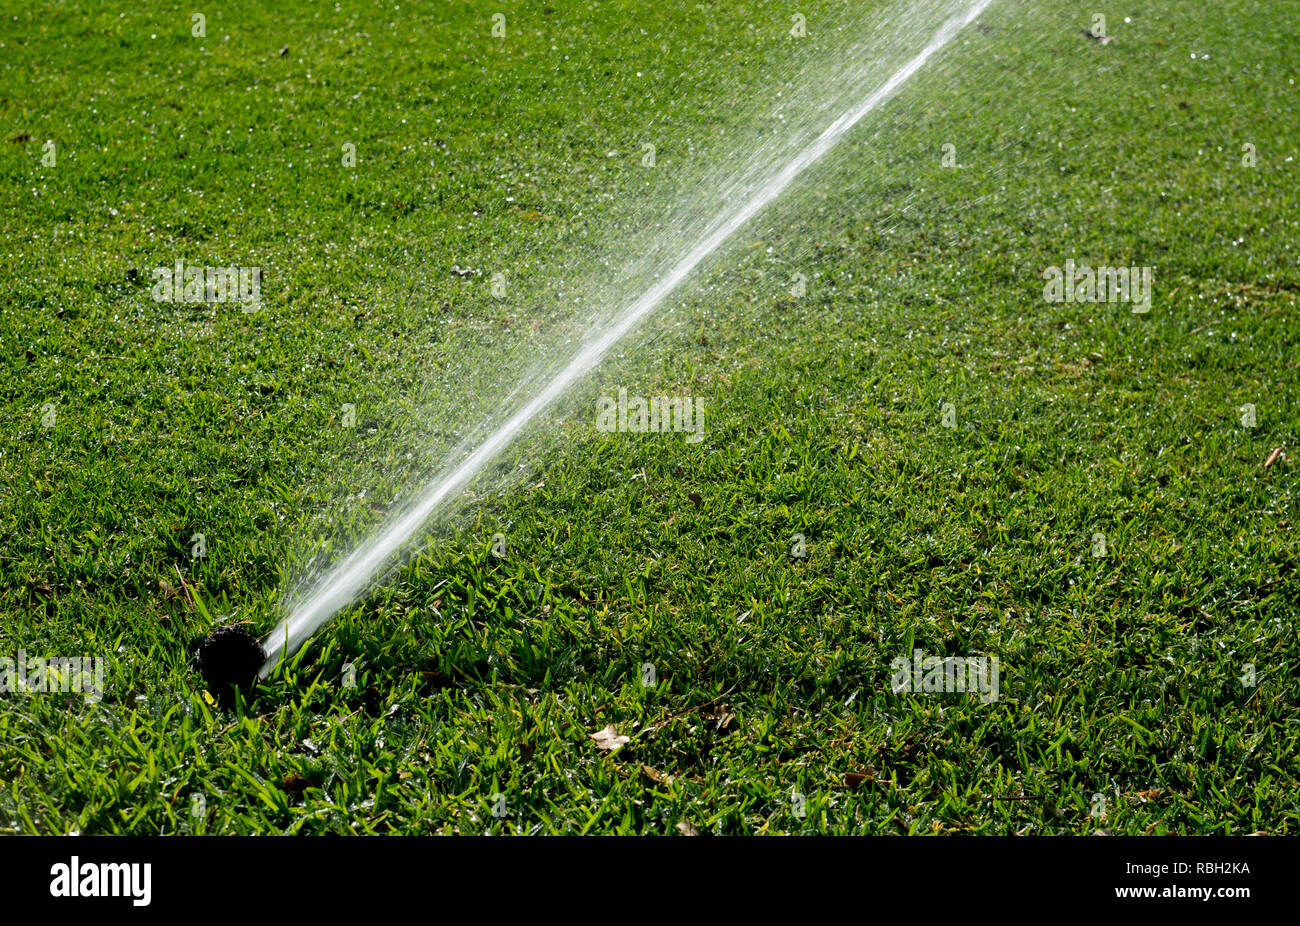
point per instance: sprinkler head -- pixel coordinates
(230, 655)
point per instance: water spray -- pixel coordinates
(229, 654)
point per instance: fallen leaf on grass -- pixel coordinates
(610, 739)
(855, 780)
(687, 828)
(722, 717)
(1273, 457)
(172, 593)
(295, 783)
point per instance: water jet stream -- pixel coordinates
(352, 576)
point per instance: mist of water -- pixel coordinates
(347, 581)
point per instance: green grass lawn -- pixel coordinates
(461, 697)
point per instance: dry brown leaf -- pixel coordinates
(610, 739)
(722, 717)
(295, 783)
(855, 780)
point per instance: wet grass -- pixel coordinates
(463, 695)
